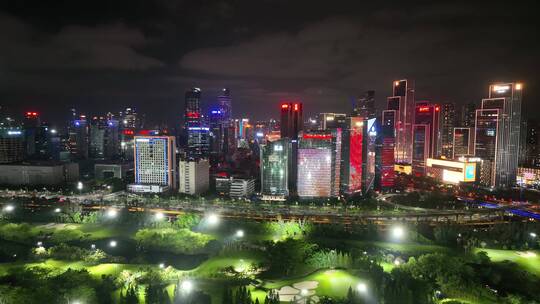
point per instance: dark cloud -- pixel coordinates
(103, 55)
(73, 47)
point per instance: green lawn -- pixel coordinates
(239, 261)
(529, 260)
(57, 266)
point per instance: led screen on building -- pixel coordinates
(314, 173)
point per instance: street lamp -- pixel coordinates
(361, 288)
(9, 208)
(186, 286)
(112, 213)
(112, 244)
(398, 232)
(533, 235)
(213, 219)
(239, 233)
(57, 210)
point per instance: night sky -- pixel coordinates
(104, 55)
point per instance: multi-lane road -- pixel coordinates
(476, 215)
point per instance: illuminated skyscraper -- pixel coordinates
(319, 162)
(448, 123)
(426, 135)
(12, 148)
(198, 140)
(403, 103)
(463, 144)
(225, 104)
(468, 115)
(331, 120)
(275, 169)
(498, 133)
(388, 135)
(358, 156)
(292, 120)
(155, 164)
(365, 106)
(79, 137)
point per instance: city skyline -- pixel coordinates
(147, 57)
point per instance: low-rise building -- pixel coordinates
(453, 171)
(235, 187)
(242, 188)
(112, 170)
(35, 174)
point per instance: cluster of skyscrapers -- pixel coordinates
(331, 155)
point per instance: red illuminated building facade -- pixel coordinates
(388, 130)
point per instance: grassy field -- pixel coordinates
(528, 260)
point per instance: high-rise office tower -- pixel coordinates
(12, 144)
(448, 123)
(403, 103)
(388, 139)
(155, 163)
(292, 119)
(463, 142)
(331, 120)
(130, 119)
(78, 140)
(225, 104)
(104, 138)
(194, 176)
(426, 136)
(468, 115)
(358, 156)
(365, 106)
(36, 136)
(319, 163)
(219, 121)
(530, 146)
(198, 141)
(498, 134)
(97, 138)
(275, 169)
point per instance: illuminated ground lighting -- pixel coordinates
(79, 186)
(397, 262)
(398, 232)
(76, 302)
(162, 265)
(532, 234)
(112, 213)
(113, 244)
(304, 292)
(57, 210)
(93, 246)
(9, 208)
(159, 216)
(527, 254)
(213, 219)
(186, 286)
(361, 288)
(239, 233)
